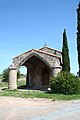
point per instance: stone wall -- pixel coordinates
(36, 61)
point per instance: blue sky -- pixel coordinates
(27, 24)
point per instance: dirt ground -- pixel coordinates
(38, 109)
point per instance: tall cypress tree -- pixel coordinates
(78, 35)
(65, 54)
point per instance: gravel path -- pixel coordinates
(38, 109)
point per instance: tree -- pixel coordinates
(18, 74)
(78, 35)
(65, 54)
(6, 75)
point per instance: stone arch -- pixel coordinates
(35, 74)
(40, 66)
(36, 55)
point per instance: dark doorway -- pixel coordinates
(45, 76)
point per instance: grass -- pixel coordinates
(38, 94)
(34, 93)
(19, 84)
(3, 84)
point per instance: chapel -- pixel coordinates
(41, 64)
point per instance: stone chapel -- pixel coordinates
(41, 65)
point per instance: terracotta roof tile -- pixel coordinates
(40, 51)
(51, 54)
(51, 49)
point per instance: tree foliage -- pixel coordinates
(78, 35)
(65, 54)
(18, 74)
(6, 75)
(65, 83)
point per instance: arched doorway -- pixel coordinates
(38, 72)
(45, 76)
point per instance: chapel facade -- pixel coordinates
(42, 64)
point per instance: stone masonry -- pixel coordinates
(41, 65)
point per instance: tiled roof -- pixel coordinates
(47, 53)
(50, 49)
(40, 51)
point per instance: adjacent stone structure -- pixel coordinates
(41, 65)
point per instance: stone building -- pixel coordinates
(41, 65)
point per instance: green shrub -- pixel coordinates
(65, 83)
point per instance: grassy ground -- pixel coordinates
(3, 84)
(20, 83)
(33, 93)
(38, 94)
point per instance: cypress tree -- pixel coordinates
(65, 54)
(78, 35)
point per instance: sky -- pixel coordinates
(27, 24)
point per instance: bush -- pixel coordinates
(65, 83)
